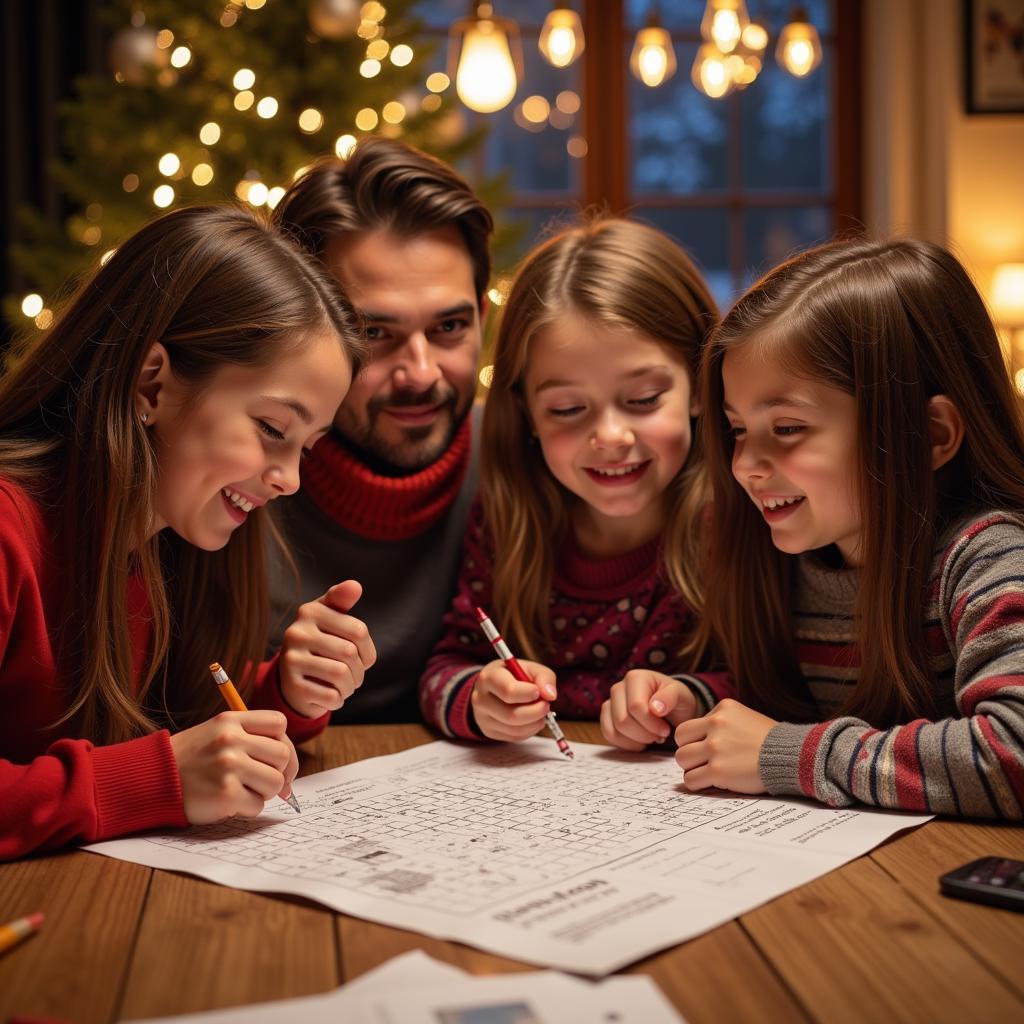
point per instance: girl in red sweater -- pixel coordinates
(138, 436)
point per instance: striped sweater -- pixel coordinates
(971, 761)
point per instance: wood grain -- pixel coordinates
(76, 965)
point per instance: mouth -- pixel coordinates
(775, 508)
(238, 505)
(414, 415)
(617, 476)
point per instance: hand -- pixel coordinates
(233, 764)
(722, 748)
(325, 652)
(507, 709)
(643, 706)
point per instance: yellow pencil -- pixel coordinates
(235, 702)
(13, 933)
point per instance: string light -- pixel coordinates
(723, 23)
(799, 47)
(367, 119)
(487, 74)
(169, 164)
(536, 109)
(254, 5)
(486, 375)
(311, 120)
(378, 49)
(164, 38)
(202, 174)
(244, 100)
(274, 196)
(561, 38)
(209, 134)
(267, 107)
(568, 102)
(653, 59)
(344, 145)
(245, 78)
(438, 81)
(45, 319)
(180, 56)
(431, 103)
(402, 55)
(130, 182)
(369, 68)
(577, 147)
(163, 196)
(258, 193)
(373, 11)
(32, 305)
(393, 112)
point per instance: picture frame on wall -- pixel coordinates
(994, 64)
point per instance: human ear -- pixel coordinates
(945, 429)
(153, 380)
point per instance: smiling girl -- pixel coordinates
(867, 549)
(140, 439)
(583, 542)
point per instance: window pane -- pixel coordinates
(677, 135)
(786, 129)
(704, 233)
(773, 233)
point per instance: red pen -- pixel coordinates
(501, 649)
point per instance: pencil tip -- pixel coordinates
(481, 615)
(294, 803)
(215, 666)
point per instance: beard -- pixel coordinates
(420, 446)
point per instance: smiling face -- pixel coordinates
(417, 299)
(795, 453)
(238, 445)
(611, 410)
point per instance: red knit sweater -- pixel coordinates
(55, 789)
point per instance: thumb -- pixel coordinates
(664, 700)
(342, 596)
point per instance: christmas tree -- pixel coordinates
(209, 100)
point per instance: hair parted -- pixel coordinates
(618, 273)
(390, 185)
(893, 324)
(216, 286)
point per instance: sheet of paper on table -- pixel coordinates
(416, 989)
(584, 865)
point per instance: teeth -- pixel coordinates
(620, 471)
(237, 500)
(773, 503)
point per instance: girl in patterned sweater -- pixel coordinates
(868, 570)
(582, 542)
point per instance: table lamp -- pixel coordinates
(1007, 302)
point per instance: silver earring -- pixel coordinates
(145, 418)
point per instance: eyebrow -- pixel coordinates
(292, 403)
(375, 317)
(774, 403)
(555, 382)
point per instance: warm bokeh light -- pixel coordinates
(311, 120)
(367, 119)
(169, 164)
(32, 305)
(438, 81)
(164, 38)
(723, 23)
(561, 37)
(711, 72)
(373, 11)
(486, 375)
(209, 134)
(254, 5)
(486, 76)
(393, 112)
(402, 55)
(653, 59)
(257, 194)
(92, 234)
(130, 182)
(568, 102)
(369, 68)
(378, 49)
(431, 103)
(105, 258)
(536, 109)
(267, 107)
(180, 56)
(45, 319)
(163, 196)
(202, 174)
(344, 145)
(244, 100)
(755, 37)
(577, 147)
(244, 78)
(798, 50)
(274, 196)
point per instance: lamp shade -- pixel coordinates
(1008, 295)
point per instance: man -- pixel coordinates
(385, 495)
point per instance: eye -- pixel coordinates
(452, 326)
(270, 431)
(647, 401)
(373, 333)
(569, 410)
(787, 430)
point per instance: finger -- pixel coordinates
(291, 769)
(317, 695)
(260, 778)
(611, 734)
(638, 710)
(338, 675)
(506, 734)
(626, 724)
(665, 699)
(692, 731)
(333, 623)
(692, 755)
(698, 778)
(263, 723)
(342, 596)
(513, 715)
(510, 690)
(543, 678)
(273, 752)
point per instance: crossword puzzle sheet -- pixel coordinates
(584, 865)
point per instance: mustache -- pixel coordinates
(402, 399)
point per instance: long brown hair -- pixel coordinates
(216, 286)
(386, 184)
(892, 324)
(618, 273)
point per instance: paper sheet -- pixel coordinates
(583, 865)
(415, 989)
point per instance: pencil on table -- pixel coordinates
(16, 931)
(234, 701)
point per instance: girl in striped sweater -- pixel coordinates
(866, 581)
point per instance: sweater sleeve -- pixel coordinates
(447, 681)
(971, 764)
(76, 792)
(267, 696)
(708, 687)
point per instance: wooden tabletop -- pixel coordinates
(873, 940)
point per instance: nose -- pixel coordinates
(749, 461)
(610, 431)
(417, 369)
(282, 476)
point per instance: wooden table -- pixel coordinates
(873, 940)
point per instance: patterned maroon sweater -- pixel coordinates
(608, 616)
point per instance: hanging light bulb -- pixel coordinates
(561, 39)
(712, 73)
(485, 59)
(723, 23)
(653, 59)
(799, 47)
